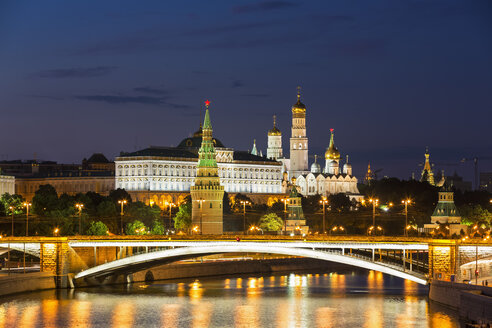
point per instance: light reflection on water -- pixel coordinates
(344, 299)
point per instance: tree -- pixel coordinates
(236, 202)
(120, 194)
(475, 214)
(97, 228)
(157, 228)
(143, 212)
(310, 204)
(107, 208)
(182, 220)
(15, 201)
(271, 222)
(339, 202)
(45, 200)
(136, 228)
(226, 203)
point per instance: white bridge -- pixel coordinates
(358, 254)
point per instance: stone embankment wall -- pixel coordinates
(28, 282)
(473, 302)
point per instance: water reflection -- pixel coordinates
(50, 312)
(342, 299)
(29, 316)
(123, 315)
(170, 315)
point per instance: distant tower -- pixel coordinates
(274, 150)
(299, 140)
(207, 193)
(427, 174)
(296, 222)
(369, 175)
(254, 151)
(332, 157)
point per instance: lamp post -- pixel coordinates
(11, 208)
(285, 201)
(374, 202)
(200, 203)
(406, 202)
(122, 203)
(324, 201)
(27, 205)
(244, 203)
(79, 207)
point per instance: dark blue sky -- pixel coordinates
(391, 77)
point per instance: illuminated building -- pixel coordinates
(274, 150)
(427, 174)
(207, 193)
(446, 213)
(295, 222)
(298, 162)
(7, 184)
(331, 180)
(157, 175)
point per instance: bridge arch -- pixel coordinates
(147, 260)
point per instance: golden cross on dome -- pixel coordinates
(274, 119)
(298, 92)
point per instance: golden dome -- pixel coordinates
(274, 131)
(298, 107)
(332, 152)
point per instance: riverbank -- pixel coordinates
(26, 282)
(472, 302)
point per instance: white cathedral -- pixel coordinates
(315, 181)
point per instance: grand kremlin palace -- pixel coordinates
(157, 175)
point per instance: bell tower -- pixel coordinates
(274, 150)
(299, 140)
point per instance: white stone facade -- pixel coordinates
(7, 184)
(328, 184)
(274, 150)
(168, 174)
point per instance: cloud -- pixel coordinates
(262, 6)
(257, 95)
(229, 28)
(150, 90)
(142, 100)
(237, 84)
(76, 72)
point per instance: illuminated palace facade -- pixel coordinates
(157, 175)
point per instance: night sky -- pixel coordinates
(391, 77)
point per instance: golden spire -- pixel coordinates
(274, 131)
(299, 107)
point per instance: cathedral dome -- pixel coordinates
(274, 132)
(315, 168)
(298, 107)
(332, 152)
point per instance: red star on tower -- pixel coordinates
(207, 103)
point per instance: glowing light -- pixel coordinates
(207, 103)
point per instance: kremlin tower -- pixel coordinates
(207, 194)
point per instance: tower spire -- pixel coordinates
(298, 93)
(274, 120)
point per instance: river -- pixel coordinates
(344, 299)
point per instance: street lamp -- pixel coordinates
(374, 202)
(406, 202)
(171, 205)
(79, 207)
(27, 205)
(122, 203)
(200, 204)
(55, 232)
(11, 208)
(244, 203)
(285, 201)
(324, 201)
